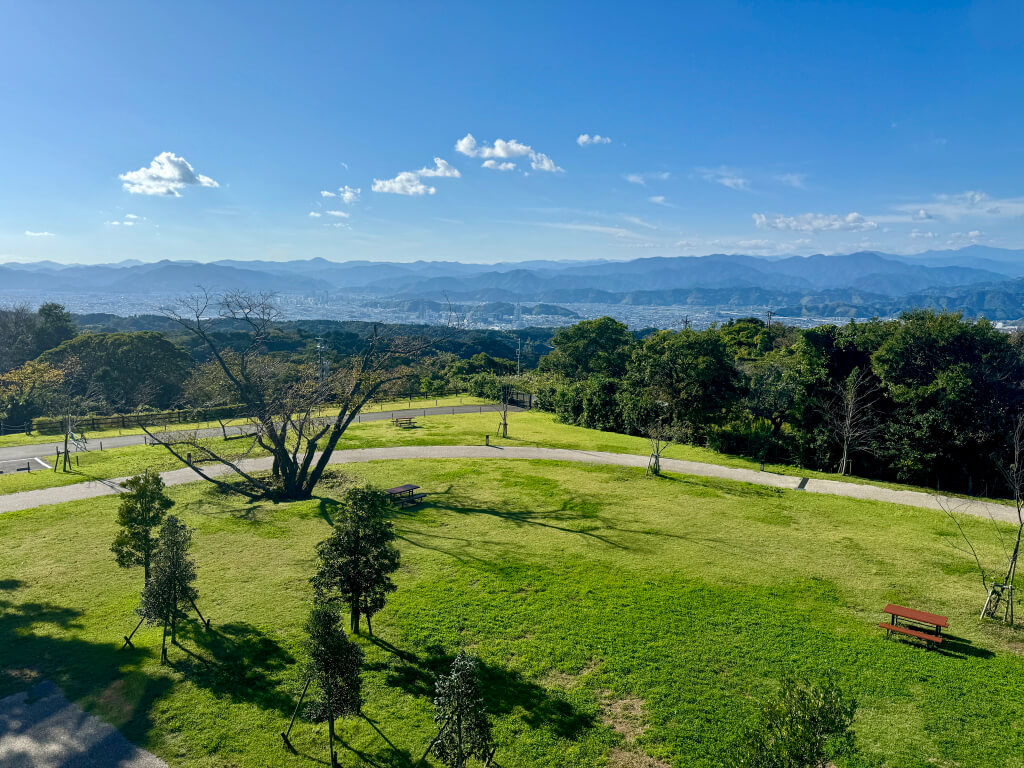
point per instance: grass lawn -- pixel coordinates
(430, 402)
(532, 428)
(615, 616)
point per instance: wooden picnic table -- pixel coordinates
(923, 625)
(405, 495)
(404, 422)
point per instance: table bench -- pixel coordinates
(404, 422)
(923, 626)
(405, 495)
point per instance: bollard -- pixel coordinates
(101, 445)
(487, 439)
(188, 458)
(762, 466)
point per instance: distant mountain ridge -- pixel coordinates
(977, 279)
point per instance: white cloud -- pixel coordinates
(617, 232)
(967, 204)
(505, 150)
(30, 233)
(816, 222)
(496, 166)
(643, 178)
(131, 216)
(727, 177)
(126, 223)
(405, 183)
(541, 162)
(640, 222)
(441, 168)
(314, 214)
(585, 138)
(166, 175)
(347, 194)
(796, 180)
(339, 214)
(917, 234)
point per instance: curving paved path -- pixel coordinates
(92, 489)
(33, 450)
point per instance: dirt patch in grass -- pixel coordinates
(556, 678)
(625, 716)
(625, 758)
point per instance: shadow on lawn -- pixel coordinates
(236, 660)
(503, 690)
(86, 671)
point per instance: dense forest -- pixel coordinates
(929, 398)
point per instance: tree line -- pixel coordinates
(929, 398)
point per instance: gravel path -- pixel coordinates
(30, 499)
(39, 728)
(14, 452)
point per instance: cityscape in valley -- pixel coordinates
(540, 386)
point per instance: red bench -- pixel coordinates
(923, 626)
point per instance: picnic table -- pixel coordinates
(404, 422)
(922, 625)
(405, 495)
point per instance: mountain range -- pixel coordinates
(975, 280)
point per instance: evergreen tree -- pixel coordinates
(170, 585)
(142, 508)
(334, 666)
(357, 561)
(459, 712)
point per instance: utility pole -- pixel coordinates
(322, 366)
(686, 323)
(770, 316)
(519, 355)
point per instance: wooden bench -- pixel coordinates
(404, 422)
(923, 626)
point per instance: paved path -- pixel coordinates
(92, 489)
(13, 452)
(40, 728)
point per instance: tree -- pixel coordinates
(357, 561)
(507, 388)
(690, 371)
(17, 329)
(600, 346)
(142, 508)
(54, 327)
(464, 730)
(850, 414)
(27, 391)
(334, 667)
(170, 585)
(282, 403)
(803, 726)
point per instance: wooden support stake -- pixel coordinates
(295, 714)
(128, 638)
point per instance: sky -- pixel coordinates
(486, 132)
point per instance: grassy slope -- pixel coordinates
(35, 438)
(526, 429)
(575, 584)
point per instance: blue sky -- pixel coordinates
(210, 130)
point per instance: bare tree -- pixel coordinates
(282, 404)
(999, 593)
(850, 414)
(506, 394)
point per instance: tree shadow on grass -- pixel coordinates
(235, 660)
(503, 690)
(38, 642)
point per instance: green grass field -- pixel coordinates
(532, 428)
(616, 616)
(34, 438)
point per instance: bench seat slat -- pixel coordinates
(911, 632)
(922, 617)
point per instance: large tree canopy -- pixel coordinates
(600, 346)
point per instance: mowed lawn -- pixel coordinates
(616, 616)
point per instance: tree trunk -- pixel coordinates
(330, 727)
(842, 461)
(354, 620)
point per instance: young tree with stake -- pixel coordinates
(333, 670)
(357, 561)
(464, 730)
(170, 587)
